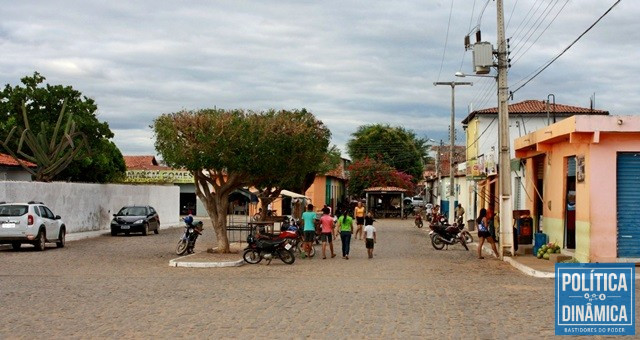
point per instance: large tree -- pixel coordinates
(296, 144)
(101, 161)
(399, 148)
(228, 149)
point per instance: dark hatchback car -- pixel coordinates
(134, 219)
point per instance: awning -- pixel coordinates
(291, 194)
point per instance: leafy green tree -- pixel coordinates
(395, 146)
(100, 162)
(228, 149)
(297, 145)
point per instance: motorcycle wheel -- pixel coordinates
(251, 256)
(437, 243)
(467, 237)
(419, 224)
(286, 256)
(182, 246)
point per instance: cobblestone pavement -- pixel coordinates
(122, 287)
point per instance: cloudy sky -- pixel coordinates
(349, 62)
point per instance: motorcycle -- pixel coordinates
(188, 240)
(443, 234)
(292, 235)
(418, 220)
(465, 233)
(259, 249)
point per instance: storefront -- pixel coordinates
(583, 184)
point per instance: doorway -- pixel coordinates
(570, 204)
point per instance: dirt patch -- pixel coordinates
(211, 257)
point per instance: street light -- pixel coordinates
(463, 75)
(452, 193)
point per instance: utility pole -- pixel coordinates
(438, 161)
(452, 194)
(506, 214)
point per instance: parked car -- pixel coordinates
(416, 201)
(135, 219)
(32, 223)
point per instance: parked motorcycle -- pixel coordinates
(259, 249)
(443, 234)
(188, 240)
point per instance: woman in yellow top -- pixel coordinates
(358, 212)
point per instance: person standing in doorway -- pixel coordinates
(358, 212)
(483, 233)
(309, 230)
(370, 234)
(326, 222)
(345, 224)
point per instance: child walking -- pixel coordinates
(370, 234)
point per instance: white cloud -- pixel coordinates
(349, 62)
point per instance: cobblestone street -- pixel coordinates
(123, 287)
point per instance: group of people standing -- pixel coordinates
(342, 226)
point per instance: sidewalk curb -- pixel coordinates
(223, 264)
(519, 266)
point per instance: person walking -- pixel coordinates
(309, 230)
(370, 234)
(483, 233)
(358, 212)
(345, 225)
(326, 222)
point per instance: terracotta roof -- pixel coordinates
(339, 172)
(143, 163)
(385, 189)
(538, 107)
(6, 160)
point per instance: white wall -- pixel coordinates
(14, 174)
(89, 207)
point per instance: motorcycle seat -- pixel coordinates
(270, 243)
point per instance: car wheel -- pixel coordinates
(61, 238)
(16, 245)
(156, 230)
(41, 240)
(145, 230)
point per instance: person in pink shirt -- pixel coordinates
(326, 221)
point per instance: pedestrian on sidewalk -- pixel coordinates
(358, 212)
(370, 234)
(326, 221)
(309, 230)
(345, 224)
(483, 233)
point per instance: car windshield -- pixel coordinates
(417, 198)
(13, 210)
(133, 211)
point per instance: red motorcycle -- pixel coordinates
(292, 237)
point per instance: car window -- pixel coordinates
(152, 210)
(37, 210)
(46, 210)
(13, 210)
(133, 211)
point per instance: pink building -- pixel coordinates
(583, 185)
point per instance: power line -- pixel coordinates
(446, 40)
(543, 15)
(464, 52)
(517, 30)
(511, 15)
(566, 49)
(541, 33)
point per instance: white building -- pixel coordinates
(11, 170)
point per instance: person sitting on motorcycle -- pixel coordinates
(435, 214)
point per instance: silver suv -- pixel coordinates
(31, 223)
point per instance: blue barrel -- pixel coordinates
(540, 240)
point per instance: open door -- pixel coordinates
(570, 204)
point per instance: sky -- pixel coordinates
(349, 62)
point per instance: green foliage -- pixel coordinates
(43, 104)
(227, 149)
(49, 154)
(395, 146)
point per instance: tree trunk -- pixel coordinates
(218, 214)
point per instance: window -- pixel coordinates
(13, 210)
(37, 210)
(48, 212)
(152, 210)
